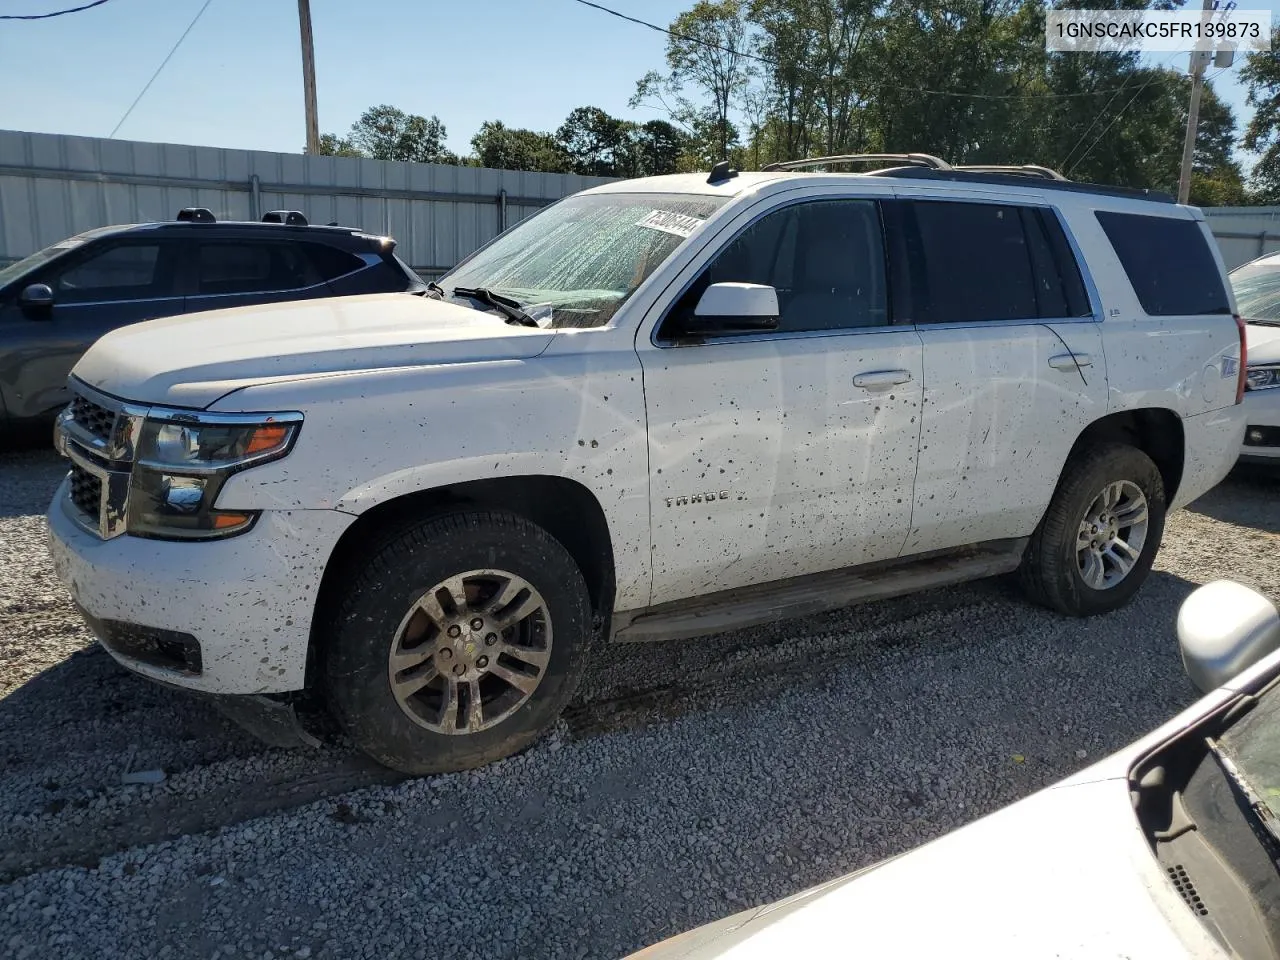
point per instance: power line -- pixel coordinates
(167, 58)
(1101, 113)
(773, 63)
(1156, 72)
(56, 13)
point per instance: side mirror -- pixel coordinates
(36, 298)
(734, 308)
(1223, 629)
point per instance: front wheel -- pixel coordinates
(459, 642)
(1097, 541)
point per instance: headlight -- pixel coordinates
(183, 461)
(1262, 378)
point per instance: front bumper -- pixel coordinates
(246, 602)
(1262, 430)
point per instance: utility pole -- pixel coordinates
(309, 76)
(1200, 60)
(1198, 64)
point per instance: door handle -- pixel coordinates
(880, 379)
(1067, 361)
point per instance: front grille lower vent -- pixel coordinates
(1187, 889)
(86, 493)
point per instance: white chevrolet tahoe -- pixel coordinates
(658, 408)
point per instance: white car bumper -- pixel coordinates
(1262, 432)
(225, 617)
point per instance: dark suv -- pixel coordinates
(56, 303)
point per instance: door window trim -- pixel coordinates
(1086, 277)
(168, 266)
(771, 335)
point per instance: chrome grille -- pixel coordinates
(86, 493)
(98, 434)
(98, 420)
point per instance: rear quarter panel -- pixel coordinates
(1176, 363)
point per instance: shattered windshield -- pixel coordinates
(1253, 745)
(576, 263)
(1257, 290)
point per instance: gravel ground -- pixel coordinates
(687, 781)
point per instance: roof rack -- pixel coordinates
(1025, 170)
(924, 160)
(290, 218)
(196, 215)
(1020, 180)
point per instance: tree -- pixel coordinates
(1261, 75)
(599, 145)
(504, 148)
(388, 133)
(706, 52)
(332, 145)
(594, 141)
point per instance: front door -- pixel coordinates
(108, 285)
(1013, 364)
(791, 452)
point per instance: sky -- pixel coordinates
(236, 79)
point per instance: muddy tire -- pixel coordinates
(1095, 545)
(457, 642)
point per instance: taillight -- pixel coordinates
(1244, 359)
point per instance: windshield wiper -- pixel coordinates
(1263, 323)
(505, 305)
(1256, 805)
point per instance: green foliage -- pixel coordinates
(504, 148)
(816, 77)
(600, 145)
(1261, 74)
(388, 133)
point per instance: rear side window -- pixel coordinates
(1168, 262)
(332, 262)
(249, 267)
(972, 262)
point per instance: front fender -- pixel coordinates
(372, 437)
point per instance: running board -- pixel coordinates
(803, 596)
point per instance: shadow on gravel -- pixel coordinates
(1020, 677)
(1246, 499)
(27, 480)
(70, 733)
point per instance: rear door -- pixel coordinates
(1013, 362)
(228, 272)
(106, 285)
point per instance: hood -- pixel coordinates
(192, 360)
(1263, 343)
(1064, 873)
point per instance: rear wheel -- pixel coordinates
(1097, 541)
(459, 643)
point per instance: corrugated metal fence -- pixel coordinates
(54, 186)
(1244, 233)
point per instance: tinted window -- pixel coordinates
(248, 267)
(972, 262)
(331, 262)
(125, 272)
(825, 259)
(1169, 263)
